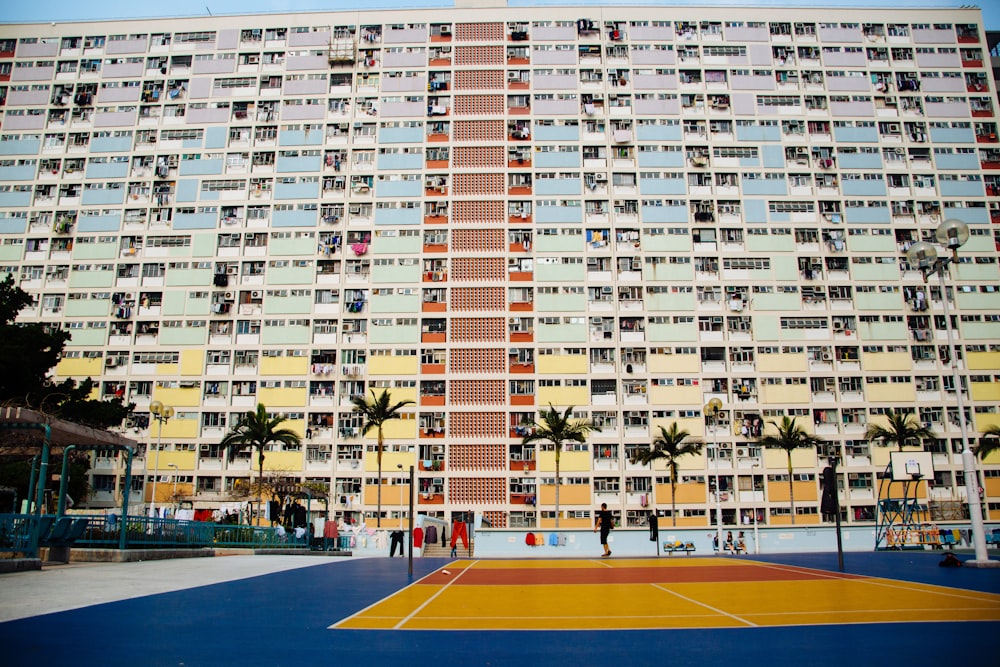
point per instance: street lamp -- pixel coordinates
(712, 413)
(174, 492)
(952, 234)
(756, 535)
(161, 413)
(399, 466)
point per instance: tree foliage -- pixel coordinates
(902, 430)
(789, 437)
(558, 428)
(669, 446)
(376, 413)
(989, 442)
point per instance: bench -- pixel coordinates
(678, 547)
(65, 531)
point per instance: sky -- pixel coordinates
(78, 10)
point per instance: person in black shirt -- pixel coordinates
(604, 523)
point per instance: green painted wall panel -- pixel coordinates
(91, 279)
(395, 303)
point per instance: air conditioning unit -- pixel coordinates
(838, 326)
(601, 178)
(725, 445)
(130, 296)
(596, 320)
(204, 448)
(229, 296)
(826, 356)
(111, 362)
(606, 289)
(437, 449)
(742, 451)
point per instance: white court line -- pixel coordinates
(913, 587)
(433, 597)
(709, 607)
(380, 601)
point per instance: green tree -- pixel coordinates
(257, 430)
(669, 446)
(28, 351)
(789, 437)
(556, 428)
(376, 413)
(902, 430)
(989, 442)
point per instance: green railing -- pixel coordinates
(151, 533)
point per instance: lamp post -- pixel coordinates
(161, 413)
(173, 493)
(402, 483)
(756, 535)
(712, 412)
(952, 234)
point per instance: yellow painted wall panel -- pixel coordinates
(782, 363)
(886, 361)
(399, 429)
(79, 367)
(284, 366)
(880, 454)
(891, 392)
(777, 492)
(688, 493)
(393, 365)
(563, 396)
(183, 461)
(785, 393)
(281, 461)
(176, 428)
(984, 420)
(178, 397)
(389, 461)
(983, 361)
(676, 395)
(562, 364)
(568, 462)
(392, 494)
(674, 363)
(802, 458)
(167, 369)
(192, 361)
(575, 494)
(282, 397)
(985, 391)
(693, 425)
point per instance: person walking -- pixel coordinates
(604, 523)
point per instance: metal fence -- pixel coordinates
(104, 531)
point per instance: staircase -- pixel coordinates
(437, 551)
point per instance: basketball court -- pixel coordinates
(781, 610)
(662, 594)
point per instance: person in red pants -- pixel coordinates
(458, 532)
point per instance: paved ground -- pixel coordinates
(250, 611)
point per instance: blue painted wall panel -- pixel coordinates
(573, 214)
(295, 218)
(665, 214)
(200, 167)
(296, 190)
(100, 223)
(287, 165)
(111, 170)
(401, 135)
(398, 216)
(662, 186)
(195, 220)
(216, 137)
(659, 133)
(101, 197)
(399, 188)
(110, 144)
(394, 161)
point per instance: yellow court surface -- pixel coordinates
(658, 594)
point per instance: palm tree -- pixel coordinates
(790, 436)
(669, 445)
(256, 430)
(989, 443)
(376, 414)
(902, 430)
(558, 428)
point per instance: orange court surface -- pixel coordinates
(658, 594)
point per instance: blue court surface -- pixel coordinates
(284, 619)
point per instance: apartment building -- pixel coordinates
(629, 210)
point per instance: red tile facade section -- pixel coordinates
(479, 55)
(489, 79)
(478, 156)
(478, 329)
(479, 490)
(477, 392)
(479, 184)
(479, 105)
(479, 32)
(479, 131)
(479, 269)
(491, 212)
(477, 425)
(491, 360)
(478, 240)
(477, 457)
